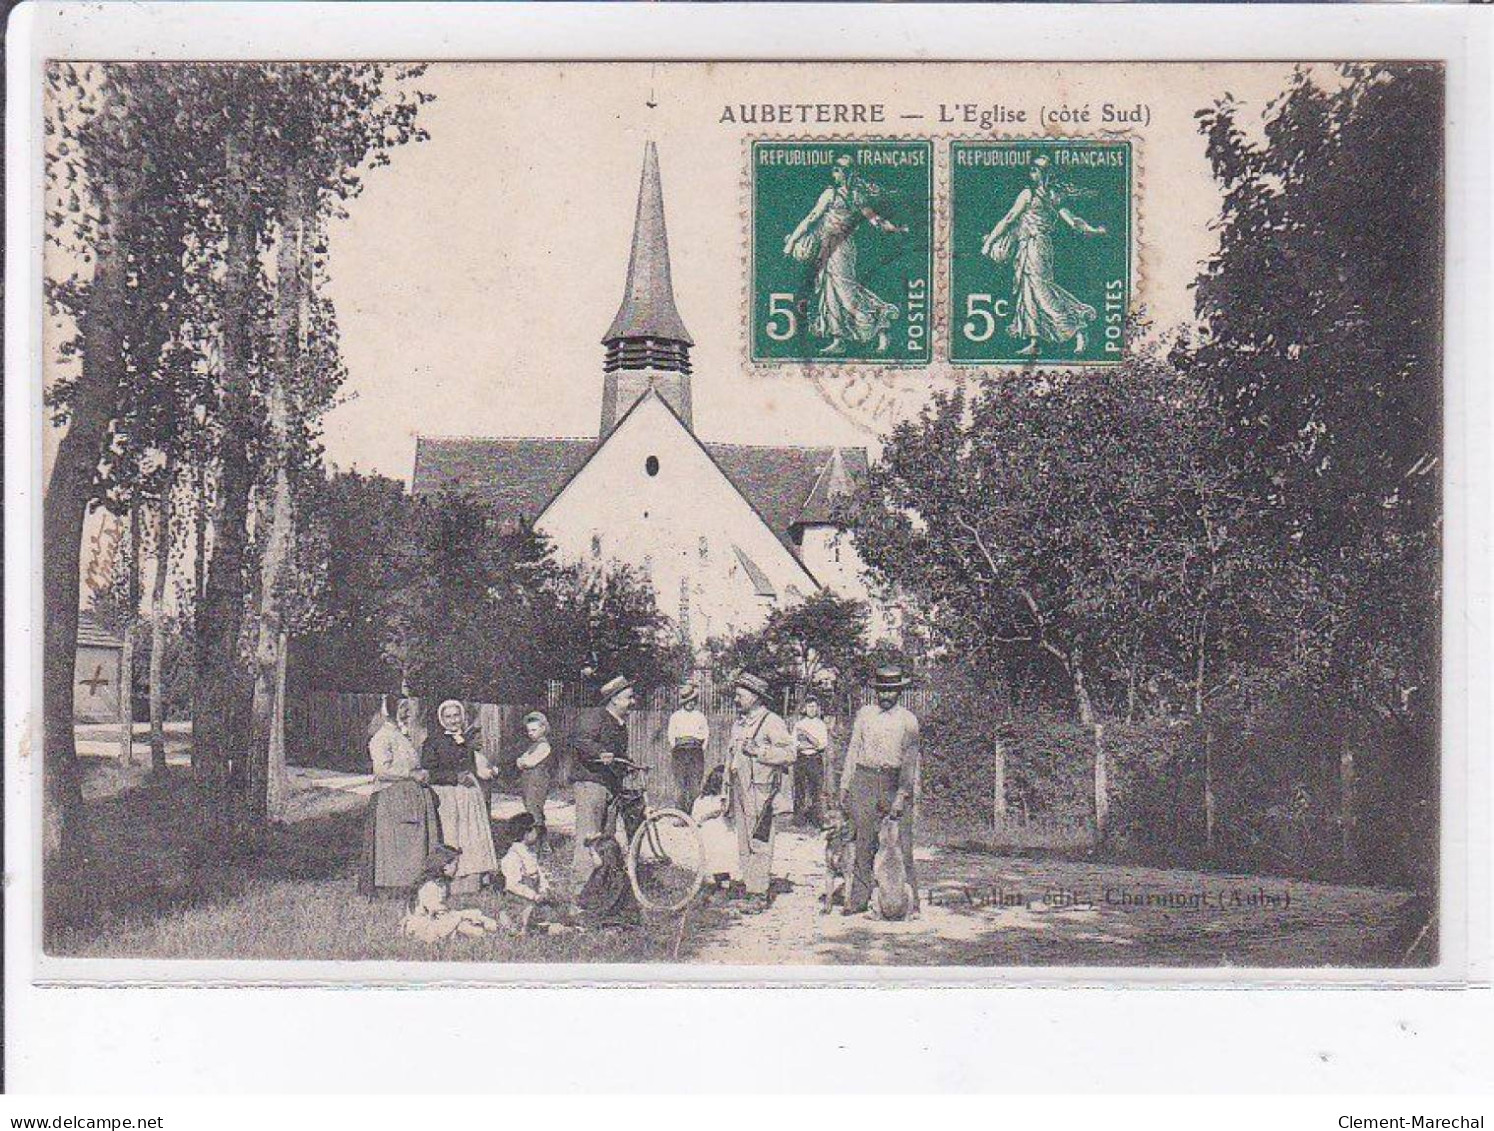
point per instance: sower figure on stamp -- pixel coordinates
(880, 781)
(843, 307)
(601, 738)
(1044, 310)
(689, 731)
(759, 755)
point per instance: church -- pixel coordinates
(725, 532)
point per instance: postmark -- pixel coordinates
(1039, 254)
(842, 251)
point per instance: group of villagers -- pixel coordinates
(429, 834)
(774, 772)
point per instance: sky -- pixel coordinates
(476, 273)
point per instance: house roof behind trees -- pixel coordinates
(92, 634)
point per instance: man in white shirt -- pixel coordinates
(689, 731)
(880, 781)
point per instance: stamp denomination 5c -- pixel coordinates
(1040, 251)
(842, 251)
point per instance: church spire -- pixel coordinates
(648, 310)
(647, 343)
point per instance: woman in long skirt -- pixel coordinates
(842, 308)
(401, 826)
(457, 768)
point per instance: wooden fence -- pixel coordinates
(331, 731)
(716, 695)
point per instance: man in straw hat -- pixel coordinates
(601, 738)
(759, 755)
(689, 731)
(880, 781)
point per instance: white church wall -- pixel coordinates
(831, 555)
(683, 523)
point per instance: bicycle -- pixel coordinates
(665, 853)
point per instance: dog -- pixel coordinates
(893, 896)
(840, 857)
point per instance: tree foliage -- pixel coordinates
(168, 186)
(1077, 533)
(1322, 317)
(1258, 503)
(440, 597)
(818, 642)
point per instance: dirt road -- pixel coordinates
(984, 910)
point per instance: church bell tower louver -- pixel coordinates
(647, 344)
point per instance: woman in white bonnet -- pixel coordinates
(457, 766)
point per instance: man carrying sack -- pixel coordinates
(880, 781)
(758, 757)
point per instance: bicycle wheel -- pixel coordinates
(666, 860)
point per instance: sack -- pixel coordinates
(1002, 249)
(893, 896)
(805, 248)
(717, 839)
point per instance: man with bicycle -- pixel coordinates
(600, 745)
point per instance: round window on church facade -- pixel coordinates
(651, 465)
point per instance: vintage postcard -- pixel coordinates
(686, 517)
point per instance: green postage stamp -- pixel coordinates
(1040, 251)
(842, 265)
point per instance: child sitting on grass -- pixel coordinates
(526, 888)
(429, 919)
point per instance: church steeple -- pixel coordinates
(647, 343)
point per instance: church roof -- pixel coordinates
(779, 481)
(837, 479)
(518, 476)
(648, 309)
(788, 486)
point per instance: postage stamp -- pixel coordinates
(1040, 251)
(842, 259)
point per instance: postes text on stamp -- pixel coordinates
(842, 264)
(1040, 251)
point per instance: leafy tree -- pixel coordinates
(1077, 532)
(609, 622)
(158, 176)
(115, 183)
(820, 640)
(442, 597)
(1322, 315)
(367, 523)
(469, 625)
